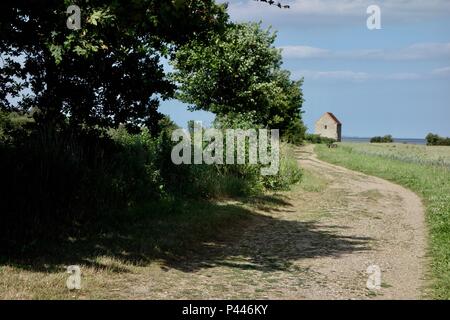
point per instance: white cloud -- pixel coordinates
(305, 52)
(346, 75)
(441, 72)
(403, 76)
(332, 12)
(414, 52)
(357, 76)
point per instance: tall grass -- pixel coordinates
(63, 180)
(56, 181)
(420, 173)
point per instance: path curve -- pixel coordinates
(387, 213)
(316, 243)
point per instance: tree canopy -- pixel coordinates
(106, 73)
(239, 71)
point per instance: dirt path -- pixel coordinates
(315, 244)
(391, 216)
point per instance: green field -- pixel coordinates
(419, 154)
(424, 170)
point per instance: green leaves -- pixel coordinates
(108, 71)
(239, 71)
(56, 52)
(99, 16)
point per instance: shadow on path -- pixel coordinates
(196, 236)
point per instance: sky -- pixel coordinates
(394, 80)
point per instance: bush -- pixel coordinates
(294, 133)
(435, 140)
(13, 124)
(318, 139)
(69, 178)
(51, 178)
(289, 172)
(386, 139)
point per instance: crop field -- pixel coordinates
(420, 154)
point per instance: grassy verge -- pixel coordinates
(164, 233)
(172, 232)
(139, 246)
(430, 181)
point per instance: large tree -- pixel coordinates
(239, 71)
(105, 73)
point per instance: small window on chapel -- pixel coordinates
(326, 127)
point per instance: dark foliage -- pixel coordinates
(317, 139)
(239, 71)
(106, 73)
(436, 140)
(386, 139)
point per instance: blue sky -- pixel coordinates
(390, 81)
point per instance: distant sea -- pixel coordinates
(399, 140)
